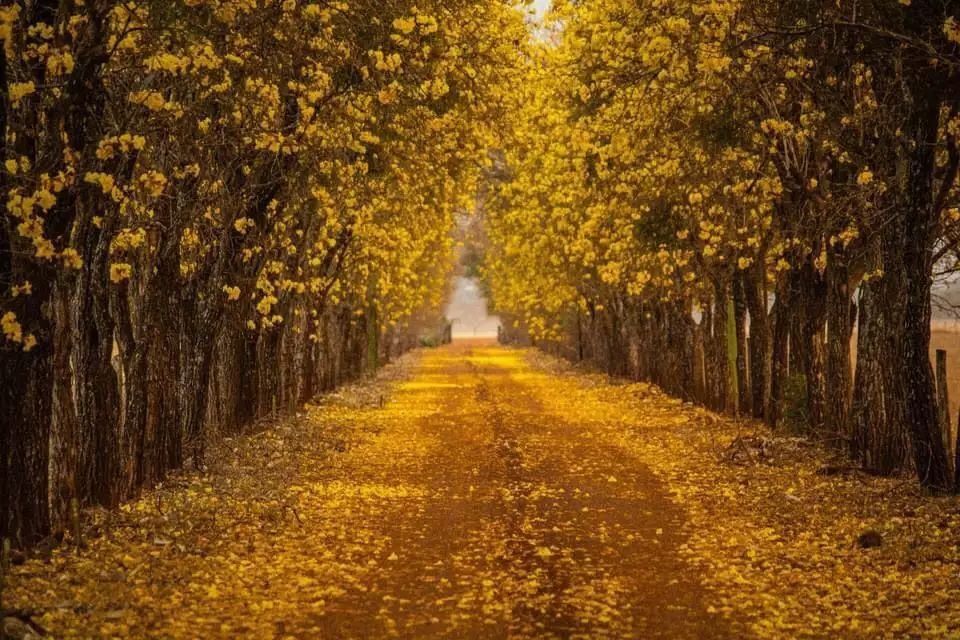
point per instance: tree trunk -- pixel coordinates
(718, 368)
(782, 319)
(919, 222)
(841, 314)
(880, 437)
(759, 341)
(812, 346)
(98, 390)
(740, 324)
(198, 329)
(64, 446)
(25, 413)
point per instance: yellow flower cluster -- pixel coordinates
(351, 149)
(13, 332)
(125, 143)
(120, 271)
(18, 90)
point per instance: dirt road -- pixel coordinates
(457, 506)
(531, 524)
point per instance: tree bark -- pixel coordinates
(782, 319)
(744, 397)
(841, 314)
(812, 351)
(919, 222)
(759, 341)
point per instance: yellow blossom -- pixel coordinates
(11, 327)
(19, 90)
(120, 271)
(71, 258)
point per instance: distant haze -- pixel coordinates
(468, 311)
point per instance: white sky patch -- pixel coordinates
(536, 12)
(468, 312)
(541, 7)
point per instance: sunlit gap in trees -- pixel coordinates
(467, 311)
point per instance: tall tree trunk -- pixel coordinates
(268, 365)
(64, 446)
(782, 320)
(98, 389)
(759, 340)
(919, 222)
(812, 346)
(38, 131)
(681, 329)
(26, 384)
(199, 324)
(249, 383)
(740, 325)
(718, 366)
(881, 437)
(165, 416)
(841, 315)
